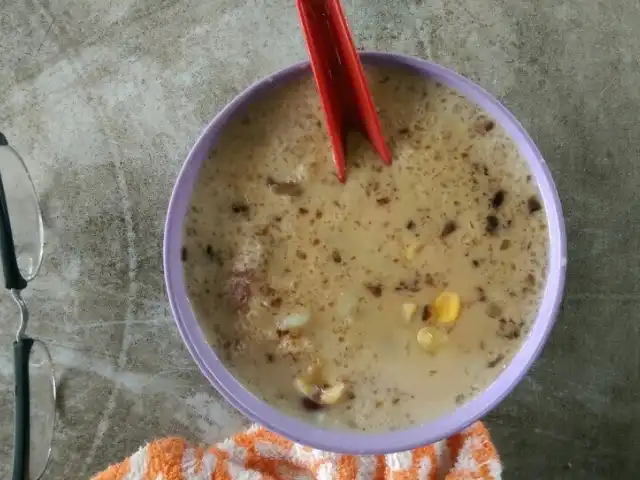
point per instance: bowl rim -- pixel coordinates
(347, 441)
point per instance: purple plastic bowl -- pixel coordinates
(344, 441)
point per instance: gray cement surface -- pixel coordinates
(104, 99)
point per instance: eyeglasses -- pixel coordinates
(21, 249)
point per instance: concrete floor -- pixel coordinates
(104, 99)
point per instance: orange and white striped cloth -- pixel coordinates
(258, 454)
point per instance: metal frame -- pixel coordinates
(23, 344)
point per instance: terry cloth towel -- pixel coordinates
(258, 454)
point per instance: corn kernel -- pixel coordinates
(447, 307)
(309, 386)
(431, 339)
(305, 388)
(409, 310)
(333, 394)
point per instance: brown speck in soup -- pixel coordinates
(375, 289)
(269, 357)
(475, 263)
(533, 204)
(290, 189)
(492, 224)
(335, 255)
(183, 254)
(505, 244)
(276, 302)
(303, 211)
(315, 242)
(484, 126)
(411, 225)
(301, 255)
(395, 401)
(509, 329)
(372, 187)
(403, 130)
(318, 214)
(459, 399)
(412, 285)
(450, 226)
(481, 294)
(498, 199)
(383, 201)
(214, 255)
(493, 363)
(240, 207)
(426, 313)
(494, 310)
(310, 404)
(530, 279)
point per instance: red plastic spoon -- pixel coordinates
(338, 73)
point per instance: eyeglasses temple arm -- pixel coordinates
(21, 351)
(12, 277)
